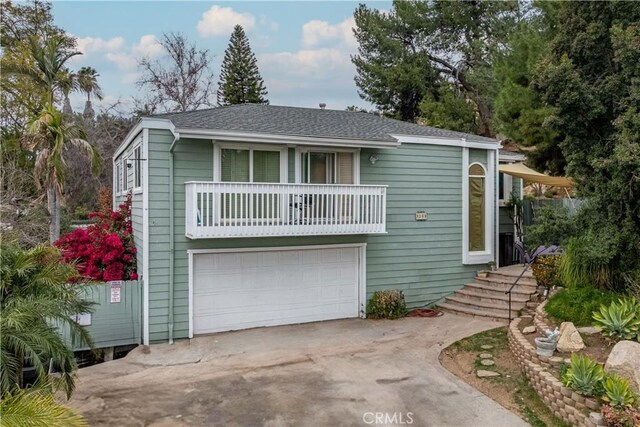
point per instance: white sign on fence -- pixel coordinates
(116, 291)
(83, 319)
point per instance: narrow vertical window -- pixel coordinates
(477, 192)
(137, 172)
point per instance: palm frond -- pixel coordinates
(36, 407)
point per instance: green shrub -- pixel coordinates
(545, 270)
(551, 226)
(387, 305)
(587, 260)
(577, 304)
(617, 392)
(584, 375)
(620, 319)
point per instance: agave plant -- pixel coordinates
(584, 376)
(620, 320)
(617, 392)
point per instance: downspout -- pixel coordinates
(171, 238)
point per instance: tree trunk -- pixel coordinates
(53, 205)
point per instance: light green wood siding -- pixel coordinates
(421, 258)
(136, 204)
(424, 259)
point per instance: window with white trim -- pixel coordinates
(476, 212)
(118, 177)
(505, 188)
(327, 167)
(137, 169)
(125, 174)
(250, 164)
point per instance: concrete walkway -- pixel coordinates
(347, 372)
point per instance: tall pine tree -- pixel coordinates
(240, 80)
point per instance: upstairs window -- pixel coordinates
(249, 165)
(137, 169)
(320, 167)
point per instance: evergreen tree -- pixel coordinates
(240, 80)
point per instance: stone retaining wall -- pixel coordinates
(563, 402)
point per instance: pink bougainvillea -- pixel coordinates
(105, 250)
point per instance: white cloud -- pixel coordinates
(147, 46)
(321, 33)
(124, 61)
(219, 21)
(96, 44)
(318, 63)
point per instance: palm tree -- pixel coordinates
(88, 82)
(49, 64)
(49, 137)
(36, 298)
(68, 82)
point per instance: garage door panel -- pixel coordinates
(243, 290)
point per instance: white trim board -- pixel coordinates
(452, 142)
(145, 237)
(249, 137)
(362, 264)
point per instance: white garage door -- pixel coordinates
(238, 290)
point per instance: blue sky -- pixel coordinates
(303, 47)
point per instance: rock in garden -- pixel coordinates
(487, 362)
(486, 347)
(624, 360)
(485, 356)
(589, 330)
(529, 330)
(570, 339)
(481, 373)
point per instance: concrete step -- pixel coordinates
(498, 289)
(483, 304)
(491, 300)
(523, 282)
(511, 277)
(465, 310)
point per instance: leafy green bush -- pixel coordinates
(387, 305)
(620, 319)
(545, 270)
(617, 392)
(587, 260)
(577, 304)
(584, 375)
(551, 226)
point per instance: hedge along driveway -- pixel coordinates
(328, 373)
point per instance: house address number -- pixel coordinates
(421, 216)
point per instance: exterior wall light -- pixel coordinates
(373, 159)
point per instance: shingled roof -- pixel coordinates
(307, 122)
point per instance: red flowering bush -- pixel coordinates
(105, 250)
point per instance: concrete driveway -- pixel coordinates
(347, 372)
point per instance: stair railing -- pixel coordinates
(528, 260)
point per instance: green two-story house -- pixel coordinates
(259, 215)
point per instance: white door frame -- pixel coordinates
(362, 268)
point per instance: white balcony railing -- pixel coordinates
(228, 209)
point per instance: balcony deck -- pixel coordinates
(229, 209)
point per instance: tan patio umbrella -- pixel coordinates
(521, 171)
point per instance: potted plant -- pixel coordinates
(482, 273)
(492, 266)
